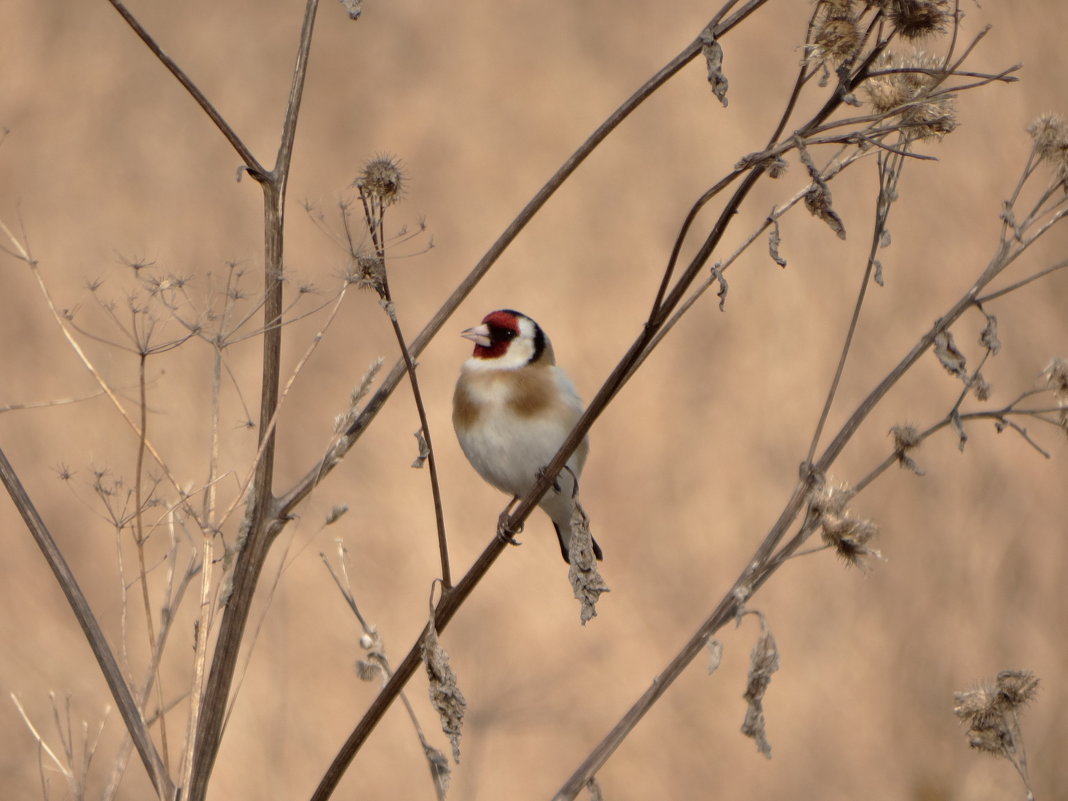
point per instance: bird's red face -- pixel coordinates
(495, 335)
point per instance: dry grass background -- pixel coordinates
(689, 466)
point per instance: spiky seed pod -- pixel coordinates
(381, 179)
(915, 19)
(1050, 135)
(836, 40)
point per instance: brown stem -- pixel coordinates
(261, 525)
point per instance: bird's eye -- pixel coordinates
(505, 333)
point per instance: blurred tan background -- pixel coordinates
(108, 159)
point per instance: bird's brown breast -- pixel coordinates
(524, 393)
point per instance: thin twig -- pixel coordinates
(889, 174)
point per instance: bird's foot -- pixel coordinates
(505, 530)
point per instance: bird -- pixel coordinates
(512, 410)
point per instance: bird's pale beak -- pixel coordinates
(480, 335)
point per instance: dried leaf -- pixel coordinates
(713, 55)
(715, 655)
(989, 336)
(773, 244)
(445, 695)
(950, 356)
(958, 426)
(763, 661)
(353, 8)
(586, 581)
(818, 196)
(721, 293)
(818, 202)
(336, 513)
(424, 449)
(440, 771)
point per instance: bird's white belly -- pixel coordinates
(509, 454)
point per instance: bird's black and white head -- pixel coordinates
(508, 340)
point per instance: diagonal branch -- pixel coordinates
(120, 690)
(253, 166)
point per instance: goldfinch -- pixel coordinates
(512, 410)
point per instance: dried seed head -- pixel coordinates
(906, 439)
(917, 18)
(367, 670)
(837, 7)
(367, 272)
(903, 85)
(1016, 687)
(848, 535)
(831, 499)
(837, 38)
(991, 712)
(381, 179)
(1056, 375)
(1050, 134)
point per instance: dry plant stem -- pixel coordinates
(889, 173)
(120, 690)
(262, 525)
(375, 220)
(439, 514)
(139, 541)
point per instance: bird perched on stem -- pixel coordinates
(513, 409)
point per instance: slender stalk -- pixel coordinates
(139, 542)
